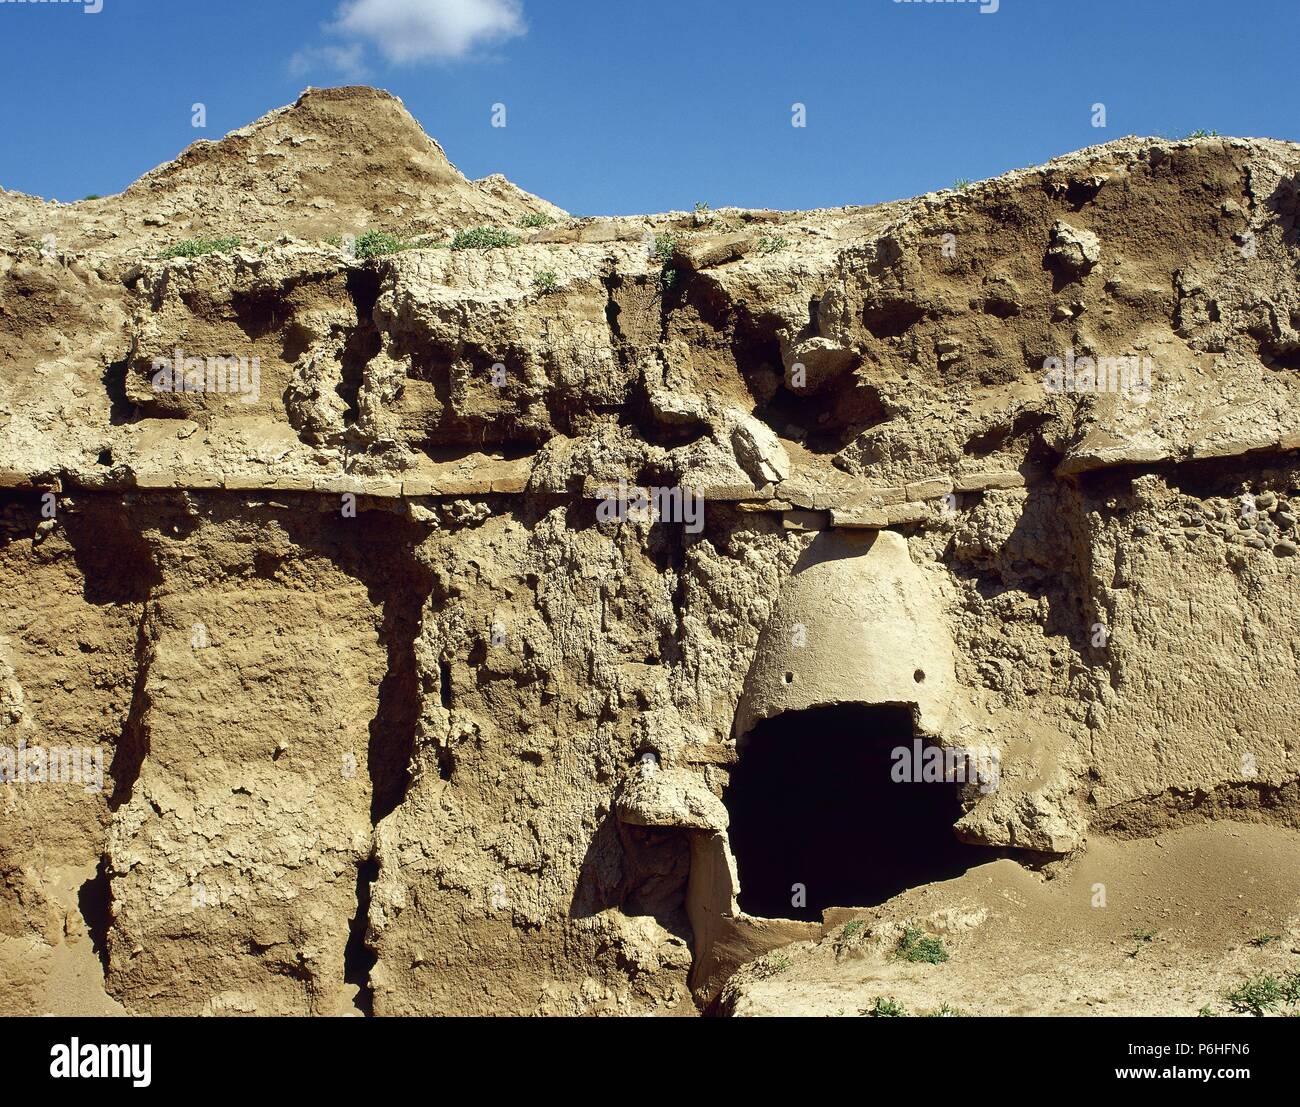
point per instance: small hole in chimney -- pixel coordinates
(789, 678)
(919, 675)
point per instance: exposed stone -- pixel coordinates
(978, 482)
(654, 796)
(909, 514)
(863, 516)
(707, 252)
(929, 489)
(758, 450)
(1072, 250)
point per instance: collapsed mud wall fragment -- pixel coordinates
(405, 706)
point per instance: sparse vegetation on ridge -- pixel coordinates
(375, 244)
(197, 247)
(483, 238)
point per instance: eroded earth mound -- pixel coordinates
(342, 668)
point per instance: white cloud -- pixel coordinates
(406, 31)
(342, 59)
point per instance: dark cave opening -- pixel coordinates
(813, 802)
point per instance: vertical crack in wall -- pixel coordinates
(95, 902)
(362, 343)
(393, 729)
(405, 585)
(358, 957)
(121, 408)
(133, 744)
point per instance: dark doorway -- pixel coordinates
(812, 802)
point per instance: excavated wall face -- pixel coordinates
(398, 710)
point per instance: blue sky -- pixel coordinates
(621, 106)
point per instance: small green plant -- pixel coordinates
(1257, 996)
(1142, 937)
(850, 931)
(665, 244)
(886, 1007)
(916, 946)
(945, 1011)
(197, 247)
(1259, 941)
(1203, 134)
(771, 243)
(1207, 1012)
(483, 238)
(1291, 989)
(962, 183)
(535, 219)
(545, 281)
(377, 244)
(93, 196)
(771, 965)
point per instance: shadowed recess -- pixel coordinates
(812, 802)
(95, 901)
